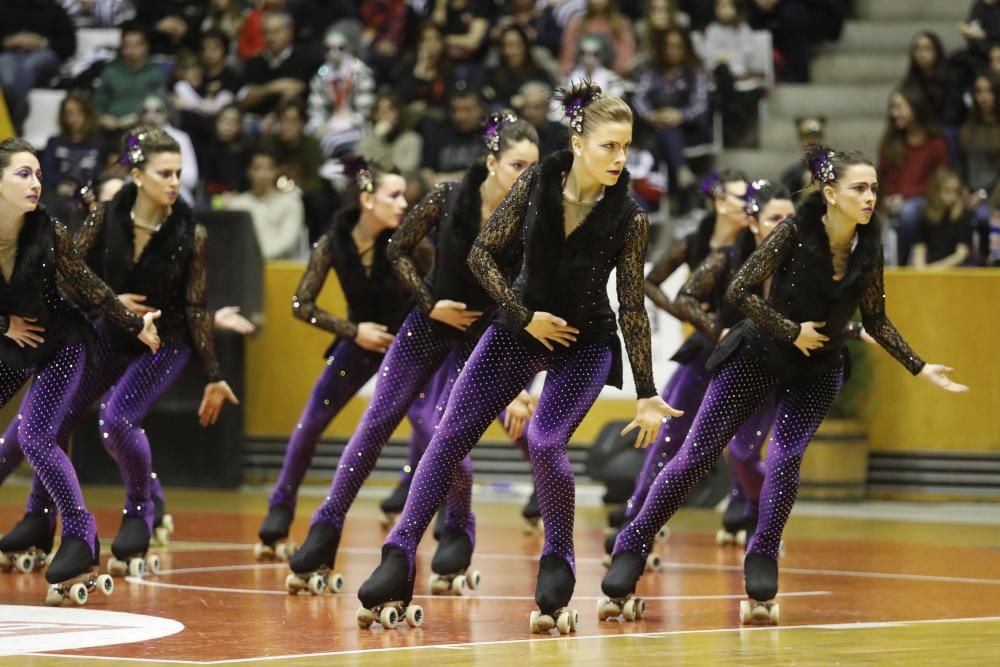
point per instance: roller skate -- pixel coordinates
(312, 564)
(274, 544)
(619, 585)
(553, 591)
(163, 523)
(130, 550)
(28, 543)
(760, 575)
(386, 594)
(451, 564)
(653, 561)
(616, 519)
(73, 573)
(393, 506)
(439, 525)
(734, 525)
(532, 515)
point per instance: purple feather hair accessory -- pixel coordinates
(356, 169)
(822, 166)
(574, 105)
(495, 123)
(712, 186)
(134, 155)
(752, 197)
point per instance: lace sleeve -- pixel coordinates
(761, 265)
(697, 290)
(495, 238)
(632, 309)
(879, 326)
(304, 302)
(662, 269)
(405, 241)
(89, 231)
(199, 320)
(89, 287)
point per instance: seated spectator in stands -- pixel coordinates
(533, 103)
(154, 113)
(98, 13)
(982, 28)
(127, 80)
(600, 17)
(929, 73)
(466, 24)
(537, 24)
(389, 139)
(657, 17)
(730, 53)
(340, 96)
(71, 159)
(979, 148)
(225, 16)
(299, 160)
(172, 24)
(251, 41)
(672, 97)
(278, 217)
(515, 68)
(994, 60)
(593, 60)
(35, 37)
(944, 229)
(793, 25)
(912, 149)
(423, 82)
(798, 178)
(281, 72)
(383, 35)
(204, 86)
(453, 146)
(223, 158)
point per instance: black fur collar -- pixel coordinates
(816, 242)
(593, 228)
(345, 252)
(35, 243)
(468, 207)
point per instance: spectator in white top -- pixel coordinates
(278, 217)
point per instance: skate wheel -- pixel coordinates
(335, 582)
(662, 535)
(533, 621)
(606, 610)
(291, 548)
(744, 612)
(438, 585)
(317, 584)
(640, 609)
(293, 584)
(25, 563)
(774, 614)
(53, 597)
(723, 538)
(574, 620)
(364, 617)
(262, 552)
(78, 593)
(628, 610)
(760, 614)
(653, 563)
(6, 565)
(563, 623)
(741, 538)
(473, 580)
(281, 551)
(161, 535)
(136, 567)
(153, 564)
(458, 585)
(105, 584)
(117, 567)
(388, 618)
(168, 523)
(414, 616)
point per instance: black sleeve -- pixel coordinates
(417, 224)
(199, 320)
(671, 260)
(632, 317)
(698, 289)
(879, 326)
(304, 302)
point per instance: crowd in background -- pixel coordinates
(266, 98)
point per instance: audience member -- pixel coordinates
(593, 60)
(798, 178)
(534, 103)
(281, 72)
(223, 158)
(515, 68)
(389, 139)
(453, 146)
(71, 159)
(944, 231)
(466, 24)
(600, 17)
(127, 80)
(423, 82)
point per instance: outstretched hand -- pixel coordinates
(937, 375)
(211, 402)
(650, 414)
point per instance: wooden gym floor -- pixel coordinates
(855, 590)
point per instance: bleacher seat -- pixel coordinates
(43, 117)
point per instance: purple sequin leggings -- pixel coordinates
(414, 357)
(738, 390)
(496, 372)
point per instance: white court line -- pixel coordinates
(632, 635)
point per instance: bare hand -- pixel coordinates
(810, 339)
(518, 413)
(373, 337)
(548, 328)
(134, 302)
(211, 401)
(23, 331)
(937, 375)
(454, 313)
(229, 319)
(650, 414)
(148, 335)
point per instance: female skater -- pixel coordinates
(577, 223)
(823, 263)
(449, 316)
(44, 338)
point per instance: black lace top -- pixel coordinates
(690, 250)
(372, 296)
(46, 256)
(796, 256)
(568, 276)
(171, 272)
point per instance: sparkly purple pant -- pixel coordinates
(739, 389)
(347, 370)
(498, 369)
(415, 356)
